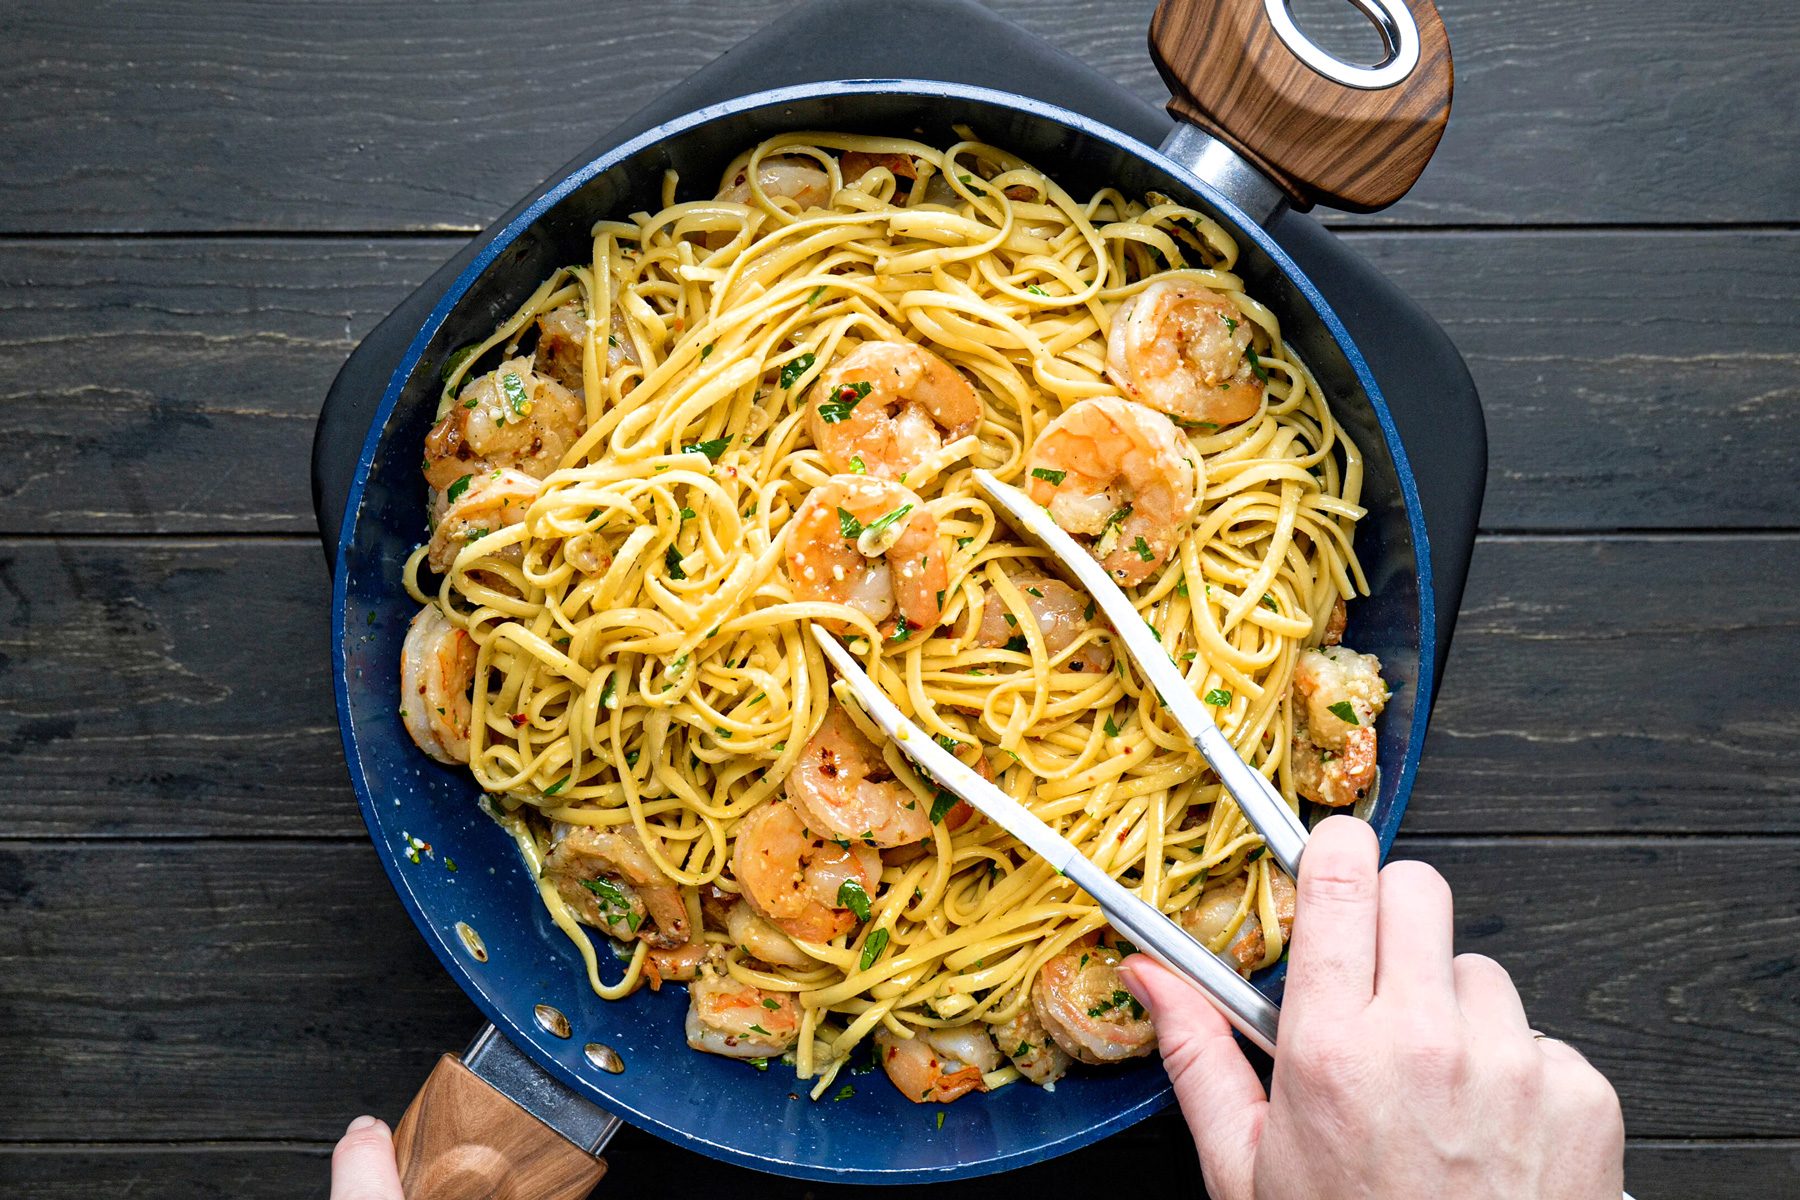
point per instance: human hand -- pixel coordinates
(362, 1165)
(1402, 1070)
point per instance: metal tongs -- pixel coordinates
(1254, 1014)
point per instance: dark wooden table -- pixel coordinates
(203, 206)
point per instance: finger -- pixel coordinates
(1486, 995)
(1220, 1095)
(1414, 942)
(362, 1165)
(1331, 967)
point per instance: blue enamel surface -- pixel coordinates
(762, 1120)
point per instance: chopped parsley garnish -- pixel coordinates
(454, 363)
(687, 514)
(848, 525)
(946, 741)
(857, 466)
(1049, 476)
(901, 629)
(1343, 712)
(761, 1064)
(844, 400)
(672, 561)
(770, 1003)
(1230, 325)
(631, 757)
(556, 787)
(1143, 551)
(1255, 854)
(791, 373)
(962, 543)
(1017, 644)
(1218, 697)
(1256, 367)
(816, 293)
(1112, 729)
(1268, 602)
(852, 896)
(618, 909)
(705, 351)
(713, 449)
(941, 804)
(455, 490)
(1035, 290)
(759, 1029)
(1024, 1049)
(844, 1093)
(879, 525)
(1119, 999)
(1118, 518)
(940, 1119)
(1181, 589)
(514, 387)
(878, 940)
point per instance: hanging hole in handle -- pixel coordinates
(1391, 20)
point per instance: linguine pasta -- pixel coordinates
(640, 654)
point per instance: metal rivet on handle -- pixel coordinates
(471, 941)
(605, 1057)
(551, 1020)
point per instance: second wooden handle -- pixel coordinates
(462, 1140)
(1322, 141)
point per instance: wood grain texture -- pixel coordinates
(460, 1139)
(1614, 398)
(193, 115)
(209, 971)
(1321, 141)
(643, 1168)
(182, 689)
(1630, 380)
(172, 386)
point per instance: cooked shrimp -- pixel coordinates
(510, 417)
(1338, 693)
(761, 940)
(1084, 1005)
(437, 665)
(737, 1020)
(1061, 615)
(1031, 1048)
(842, 787)
(857, 163)
(486, 504)
(1122, 475)
(562, 345)
(1185, 350)
(1208, 920)
(678, 964)
(793, 878)
(783, 176)
(885, 407)
(936, 1066)
(872, 545)
(607, 877)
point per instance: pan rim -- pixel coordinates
(522, 1033)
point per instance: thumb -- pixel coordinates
(362, 1166)
(1220, 1095)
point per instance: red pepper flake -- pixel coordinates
(519, 719)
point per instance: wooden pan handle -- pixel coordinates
(1323, 142)
(462, 1140)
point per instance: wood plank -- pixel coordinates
(355, 116)
(1630, 380)
(1627, 685)
(1621, 684)
(206, 971)
(172, 386)
(187, 1171)
(205, 362)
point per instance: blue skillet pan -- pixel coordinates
(555, 1049)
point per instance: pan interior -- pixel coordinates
(720, 1107)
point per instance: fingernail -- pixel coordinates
(1128, 977)
(362, 1123)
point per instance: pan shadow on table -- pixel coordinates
(205, 973)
